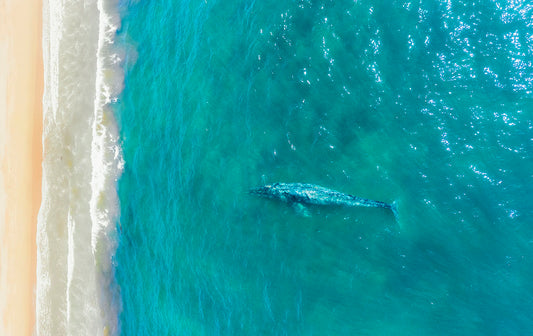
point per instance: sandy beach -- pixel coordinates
(21, 89)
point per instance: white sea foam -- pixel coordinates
(82, 162)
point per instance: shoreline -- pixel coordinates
(81, 163)
(21, 92)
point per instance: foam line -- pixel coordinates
(81, 164)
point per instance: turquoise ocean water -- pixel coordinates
(428, 103)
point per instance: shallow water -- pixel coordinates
(76, 229)
(428, 104)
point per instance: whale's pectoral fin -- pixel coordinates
(301, 209)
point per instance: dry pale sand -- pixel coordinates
(21, 89)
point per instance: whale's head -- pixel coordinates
(277, 190)
(264, 191)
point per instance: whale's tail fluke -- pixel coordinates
(394, 208)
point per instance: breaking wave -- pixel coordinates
(81, 164)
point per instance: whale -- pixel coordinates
(301, 194)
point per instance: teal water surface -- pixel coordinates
(428, 103)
